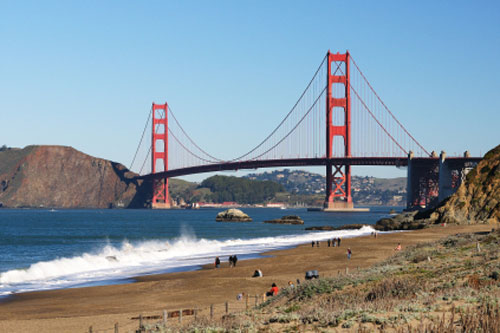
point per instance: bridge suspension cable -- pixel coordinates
(286, 117)
(140, 141)
(385, 106)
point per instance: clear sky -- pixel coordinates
(84, 73)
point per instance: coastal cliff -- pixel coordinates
(63, 177)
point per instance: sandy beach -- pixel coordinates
(76, 309)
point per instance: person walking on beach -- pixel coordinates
(398, 248)
(338, 242)
(217, 262)
(349, 253)
(328, 241)
(235, 260)
(317, 243)
(334, 242)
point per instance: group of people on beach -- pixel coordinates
(232, 261)
(333, 242)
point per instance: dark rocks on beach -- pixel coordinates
(342, 227)
(232, 215)
(290, 219)
(404, 221)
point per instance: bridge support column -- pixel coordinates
(159, 155)
(422, 182)
(338, 183)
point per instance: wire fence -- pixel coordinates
(176, 318)
(172, 319)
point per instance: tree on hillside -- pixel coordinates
(241, 190)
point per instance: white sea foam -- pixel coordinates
(112, 263)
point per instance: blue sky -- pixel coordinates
(84, 73)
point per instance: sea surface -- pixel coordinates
(49, 249)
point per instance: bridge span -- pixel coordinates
(339, 121)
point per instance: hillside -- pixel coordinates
(63, 177)
(365, 190)
(443, 286)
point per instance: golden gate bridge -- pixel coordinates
(338, 121)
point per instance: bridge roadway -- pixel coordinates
(298, 162)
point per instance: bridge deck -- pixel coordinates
(298, 162)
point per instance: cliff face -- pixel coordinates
(478, 198)
(62, 177)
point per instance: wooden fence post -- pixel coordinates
(227, 307)
(165, 316)
(347, 271)
(116, 327)
(246, 302)
(180, 316)
(90, 329)
(195, 313)
(140, 322)
(256, 299)
(211, 311)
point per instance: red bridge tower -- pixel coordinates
(159, 155)
(338, 183)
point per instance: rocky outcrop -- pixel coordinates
(405, 221)
(342, 227)
(232, 215)
(289, 219)
(63, 177)
(477, 200)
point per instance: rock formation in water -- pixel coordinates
(232, 215)
(289, 219)
(63, 177)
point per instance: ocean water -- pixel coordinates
(49, 249)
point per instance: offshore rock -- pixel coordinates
(232, 215)
(63, 177)
(289, 219)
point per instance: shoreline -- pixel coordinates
(66, 310)
(246, 249)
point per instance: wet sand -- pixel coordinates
(74, 310)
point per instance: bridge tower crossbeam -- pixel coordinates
(338, 183)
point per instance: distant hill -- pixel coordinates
(63, 177)
(365, 190)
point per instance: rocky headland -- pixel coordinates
(63, 177)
